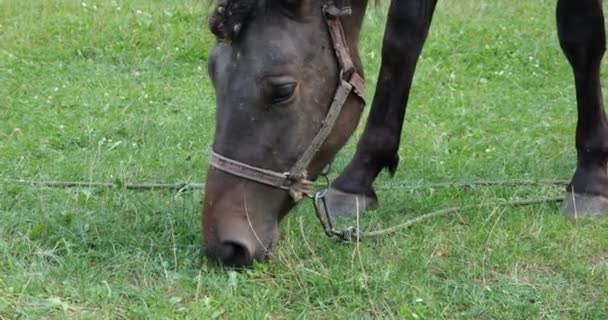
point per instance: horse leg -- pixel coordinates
(406, 31)
(580, 26)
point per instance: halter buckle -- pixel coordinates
(338, 8)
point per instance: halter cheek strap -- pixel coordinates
(295, 180)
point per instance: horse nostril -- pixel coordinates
(235, 254)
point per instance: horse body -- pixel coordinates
(275, 74)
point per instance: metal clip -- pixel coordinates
(347, 235)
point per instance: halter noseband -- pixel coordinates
(295, 180)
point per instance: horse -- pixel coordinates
(290, 92)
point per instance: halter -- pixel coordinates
(350, 81)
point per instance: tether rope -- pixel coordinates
(194, 185)
(347, 234)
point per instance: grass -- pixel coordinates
(117, 91)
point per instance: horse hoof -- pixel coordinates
(346, 205)
(578, 205)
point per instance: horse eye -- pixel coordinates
(282, 92)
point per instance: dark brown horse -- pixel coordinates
(289, 90)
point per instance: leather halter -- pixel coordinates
(295, 180)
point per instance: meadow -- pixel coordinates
(117, 91)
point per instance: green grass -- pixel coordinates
(117, 90)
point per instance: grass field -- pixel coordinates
(117, 91)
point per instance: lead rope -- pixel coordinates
(354, 234)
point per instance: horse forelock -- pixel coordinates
(229, 16)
